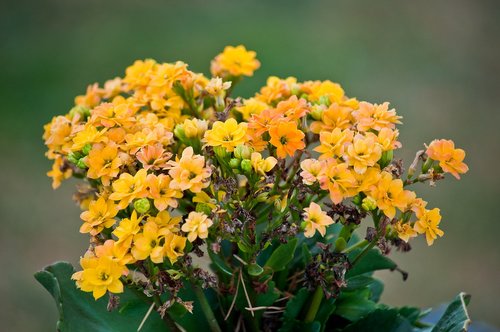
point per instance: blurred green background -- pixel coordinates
(436, 61)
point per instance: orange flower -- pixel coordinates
(312, 170)
(428, 223)
(276, 89)
(450, 159)
(103, 162)
(251, 106)
(333, 143)
(153, 157)
(364, 152)
(59, 172)
(260, 123)
(286, 138)
(338, 180)
(189, 172)
(335, 116)
(293, 108)
(389, 195)
(373, 116)
(161, 191)
(405, 231)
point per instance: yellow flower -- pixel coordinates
(128, 187)
(405, 231)
(111, 250)
(234, 61)
(99, 275)
(373, 116)
(364, 152)
(293, 108)
(312, 170)
(174, 246)
(428, 223)
(277, 89)
(251, 106)
(196, 226)
(194, 127)
(88, 135)
(338, 180)
(126, 230)
(315, 220)
(161, 191)
(168, 223)
(287, 138)
(103, 162)
(333, 143)
(228, 134)
(149, 243)
(101, 214)
(388, 139)
(57, 132)
(189, 172)
(389, 194)
(450, 159)
(261, 165)
(59, 172)
(217, 88)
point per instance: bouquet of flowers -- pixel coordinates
(260, 214)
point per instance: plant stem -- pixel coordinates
(166, 317)
(355, 246)
(365, 251)
(207, 310)
(316, 302)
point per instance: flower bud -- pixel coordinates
(386, 158)
(324, 100)
(234, 163)
(86, 148)
(221, 152)
(317, 111)
(427, 165)
(369, 204)
(80, 110)
(73, 157)
(243, 152)
(81, 163)
(179, 132)
(142, 205)
(246, 165)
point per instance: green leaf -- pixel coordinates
(353, 306)
(358, 282)
(325, 311)
(219, 263)
(370, 262)
(282, 256)
(79, 312)
(255, 269)
(387, 320)
(293, 309)
(455, 318)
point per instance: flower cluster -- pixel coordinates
(172, 162)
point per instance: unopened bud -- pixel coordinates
(221, 152)
(369, 204)
(427, 165)
(324, 100)
(234, 163)
(386, 158)
(179, 132)
(246, 165)
(73, 157)
(142, 205)
(80, 110)
(86, 148)
(243, 152)
(81, 163)
(317, 112)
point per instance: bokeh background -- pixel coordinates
(436, 61)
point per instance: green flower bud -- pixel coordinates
(179, 132)
(86, 148)
(324, 100)
(142, 205)
(368, 204)
(82, 111)
(427, 165)
(246, 165)
(317, 112)
(73, 157)
(81, 163)
(262, 197)
(234, 163)
(386, 158)
(221, 152)
(243, 152)
(203, 208)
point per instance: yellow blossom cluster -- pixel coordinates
(170, 160)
